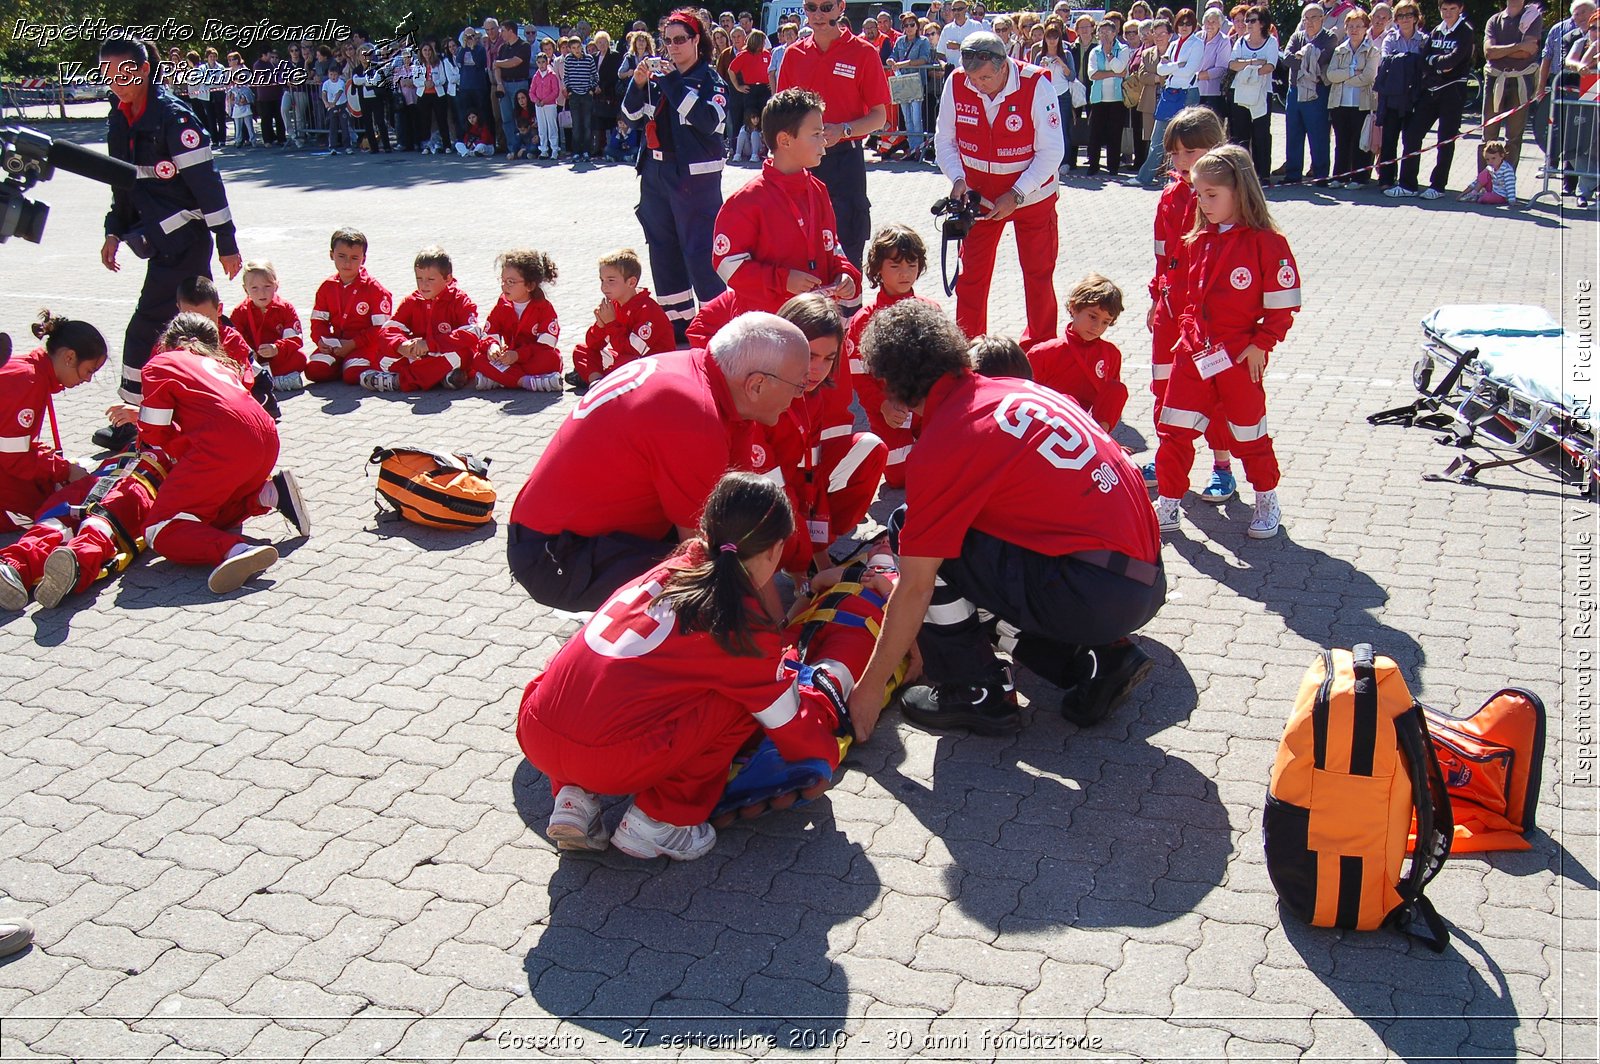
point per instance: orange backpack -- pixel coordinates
(434, 488)
(1491, 762)
(1355, 769)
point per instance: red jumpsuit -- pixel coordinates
(110, 527)
(1247, 289)
(870, 392)
(631, 705)
(29, 469)
(532, 334)
(1089, 371)
(777, 223)
(234, 345)
(224, 446)
(1170, 296)
(448, 322)
(994, 153)
(831, 472)
(711, 316)
(356, 311)
(640, 328)
(278, 325)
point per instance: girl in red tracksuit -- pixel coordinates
(895, 259)
(271, 328)
(1191, 133)
(831, 471)
(29, 468)
(655, 695)
(1246, 289)
(196, 408)
(519, 342)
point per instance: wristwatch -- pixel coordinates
(846, 135)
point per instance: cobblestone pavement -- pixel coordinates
(293, 822)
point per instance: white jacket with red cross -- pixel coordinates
(1245, 289)
(1010, 142)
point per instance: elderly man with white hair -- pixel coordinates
(1309, 51)
(999, 135)
(624, 478)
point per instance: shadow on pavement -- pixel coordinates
(727, 952)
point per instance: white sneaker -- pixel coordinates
(1398, 192)
(575, 822)
(643, 836)
(1268, 516)
(289, 382)
(542, 382)
(237, 568)
(1432, 193)
(1167, 516)
(378, 381)
(482, 383)
(13, 592)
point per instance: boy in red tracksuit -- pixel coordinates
(1083, 364)
(776, 237)
(433, 335)
(655, 695)
(895, 259)
(628, 324)
(1191, 133)
(30, 470)
(349, 314)
(271, 328)
(196, 409)
(518, 348)
(90, 528)
(1248, 290)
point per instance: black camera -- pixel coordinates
(28, 157)
(957, 215)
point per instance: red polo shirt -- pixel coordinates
(848, 76)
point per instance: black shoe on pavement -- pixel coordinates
(114, 438)
(986, 709)
(1112, 673)
(573, 378)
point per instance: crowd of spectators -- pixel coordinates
(1359, 90)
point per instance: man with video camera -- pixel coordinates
(999, 135)
(169, 217)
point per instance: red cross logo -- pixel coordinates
(624, 630)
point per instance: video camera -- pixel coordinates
(28, 157)
(956, 215)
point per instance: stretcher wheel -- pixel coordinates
(1422, 373)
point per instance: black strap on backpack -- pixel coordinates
(470, 463)
(1435, 830)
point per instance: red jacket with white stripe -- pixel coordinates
(26, 384)
(191, 401)
(448, 322)
(278, 325)
(1174, 219)
(631, 673)
(793, 447)
(536, 328)
(640, 328)
(356, 311)
(777, 223)
(1246, 289)
(1088, 371)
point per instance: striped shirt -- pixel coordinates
(581, 74)
(1505, 180)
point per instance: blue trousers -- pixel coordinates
(678, 211)
(1306, 120)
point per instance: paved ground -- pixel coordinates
(293, 822)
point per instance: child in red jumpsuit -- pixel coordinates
(628, 324)
(1083, 364)
(830, 470)
(1247, 290)
(31, 469)
(224, 446)
(518, 348)
(433, 334)
(349, 314)
(655, 695)
(895, 259)
(271, 327)
(1191, 133)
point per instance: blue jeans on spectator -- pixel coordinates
(1155, 164)
(911, 118)
(508, 104)
(1303, 120)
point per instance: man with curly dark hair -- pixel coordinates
(1017, 503)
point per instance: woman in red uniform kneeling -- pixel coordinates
(655, 695)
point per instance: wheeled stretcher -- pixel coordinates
(1512, 366)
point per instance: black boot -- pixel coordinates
(1109, 676)
(114, 438)
(987, 708)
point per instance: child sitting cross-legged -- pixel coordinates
(433, 334)
(518, 348)
(628, 323)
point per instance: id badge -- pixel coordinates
(1211, 362)
(819, 531)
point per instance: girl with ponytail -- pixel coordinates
(655, 695)
(30, 469)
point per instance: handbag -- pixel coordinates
(1080, 95)
(1170, 103)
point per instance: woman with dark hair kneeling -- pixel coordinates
(657, 693)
